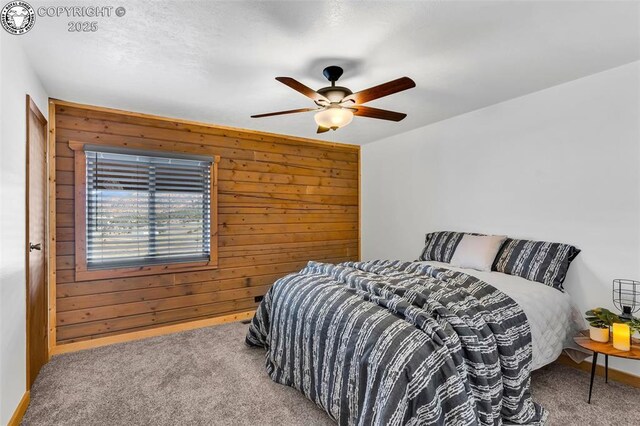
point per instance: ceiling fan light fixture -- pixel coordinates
(333, 117)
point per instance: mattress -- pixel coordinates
(553, 317)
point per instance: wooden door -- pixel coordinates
(37, 345)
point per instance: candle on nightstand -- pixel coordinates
(621, 337)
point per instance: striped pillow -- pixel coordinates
(539, 261)
(440, 246)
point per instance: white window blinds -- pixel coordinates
(145, 209)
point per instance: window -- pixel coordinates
(143, 211)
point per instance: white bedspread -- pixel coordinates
(553, 317)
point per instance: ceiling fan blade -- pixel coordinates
(381, 90)
(322, 129)
(382, 114)
(299, 87)
(291, 111)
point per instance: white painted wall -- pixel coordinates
(16, 81)
(560, 165)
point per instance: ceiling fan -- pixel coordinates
(336, 105)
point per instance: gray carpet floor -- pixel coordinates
(209, 377)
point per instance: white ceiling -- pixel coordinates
(216, 61)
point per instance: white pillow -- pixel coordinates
(477, 251)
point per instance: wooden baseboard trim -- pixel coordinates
(20, 410)
(137, 335)
(616, 375)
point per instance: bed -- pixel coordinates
(393, 342)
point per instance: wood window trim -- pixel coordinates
(83, 273)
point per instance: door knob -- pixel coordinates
(33, 247)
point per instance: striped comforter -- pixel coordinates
(390, 342)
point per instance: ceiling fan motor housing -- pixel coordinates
(335, 93)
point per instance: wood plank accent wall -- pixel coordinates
(282, 201)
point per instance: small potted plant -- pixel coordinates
(634, 323)
(600, 319)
